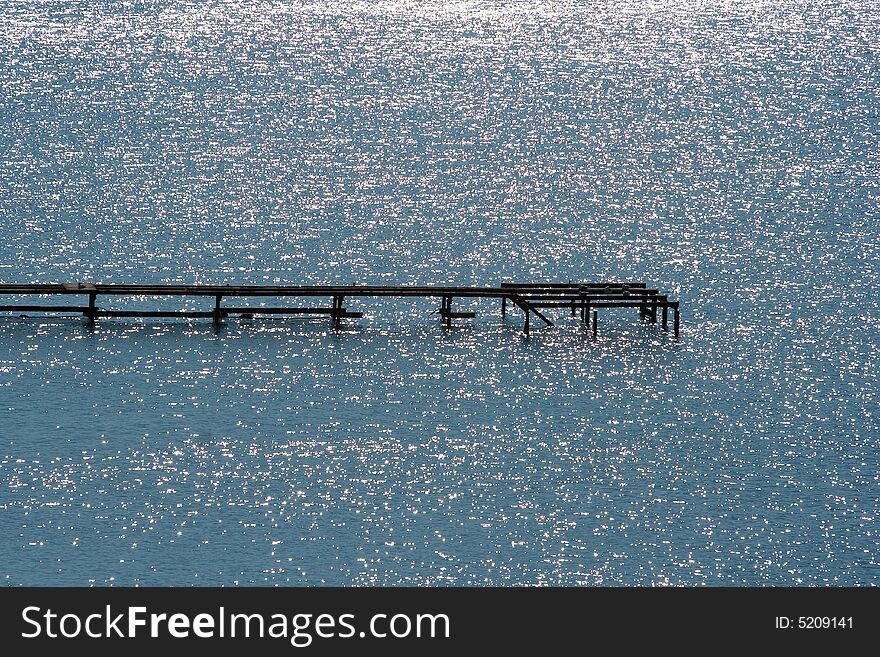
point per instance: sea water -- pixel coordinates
(725, 152)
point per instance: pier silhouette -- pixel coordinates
(585, 299)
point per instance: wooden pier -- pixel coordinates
(585, 299)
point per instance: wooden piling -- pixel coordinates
(503, 306)
(526, 327)
(675, 321)
(92, 311)
(595, 323)
(218, 312)
(447, 315)
(337, 310)
(665, 316)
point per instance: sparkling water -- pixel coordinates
(726, 152)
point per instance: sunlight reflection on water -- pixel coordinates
(726, 152)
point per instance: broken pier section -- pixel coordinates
(585, 299)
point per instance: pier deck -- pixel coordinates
(583, 298)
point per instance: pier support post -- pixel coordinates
(572, 307)
(337, 307)
(447, 307)
(585, 314)
(595, 323)
(675, 322)
(643, 308)
(503, 306)
(92, 311)
(217, 316)
(654, 311)
(665, 318)
(526, 327)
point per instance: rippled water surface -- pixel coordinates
(724, 151)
